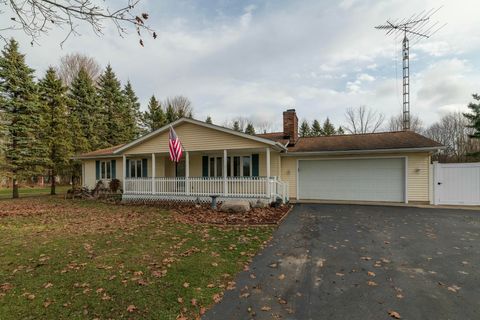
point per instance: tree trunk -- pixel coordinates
(15, 188)
(53, 182)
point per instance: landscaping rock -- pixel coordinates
(259, 203)
(235, 206)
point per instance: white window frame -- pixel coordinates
(136, 161)
(103, 165)
(231, 165)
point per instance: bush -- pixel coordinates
(114, 185)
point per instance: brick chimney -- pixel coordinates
(290, 125)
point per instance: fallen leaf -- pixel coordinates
(366, 258)
(131, 308)
(214, 264)
(372, 283)
(47, 303)
(186, 284)
(193, 302)
(217, 297)
(202, 311)
(453, 288)
(282, 301)
(48, 285)
(180, 300)
(371, 274)
(31, 296)
(281, 277)
(394, 314)
(273, 265)
(339, 274)
(266, 308)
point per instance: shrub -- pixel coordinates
(114, 185)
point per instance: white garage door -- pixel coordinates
(352, 179)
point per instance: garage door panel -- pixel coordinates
(352, 179)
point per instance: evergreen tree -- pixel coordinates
(236, 126)
(316, 129)
(170, 114)
(56, 133)
(250, 129)
(154, 117)
(474, 116)
(85, 115)
(340, 130)
(117, 120)
(328, 128)
(134, 115)
(304, 129)
(24, 150)
(209, 120)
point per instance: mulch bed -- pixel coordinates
(193, 214)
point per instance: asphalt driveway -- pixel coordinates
(362, 262)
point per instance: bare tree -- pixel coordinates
(37, 17)
(264, 126)
(181, 105)
(396, 123)
(363, 120)
(453, 132)
(71, 64)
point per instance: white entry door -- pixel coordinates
(381, 179)
(457, 183)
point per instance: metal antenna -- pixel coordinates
(418, 26)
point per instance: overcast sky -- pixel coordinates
(257, 58)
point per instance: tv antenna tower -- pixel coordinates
(417, 27)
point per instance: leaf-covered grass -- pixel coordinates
(6, 193)
(83, 259)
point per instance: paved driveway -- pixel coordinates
(360, 262)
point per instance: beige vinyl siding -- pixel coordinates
(274, 164)
(417, 181)
(195, 138)
(418, 177)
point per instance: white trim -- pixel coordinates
(321, 153)
(153, 173)
(358, 158)
(124, 166)
(200, 123)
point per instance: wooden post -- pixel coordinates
(267, 159)
(124, 173)
(153, 173)
(187, 172)
(225, 184)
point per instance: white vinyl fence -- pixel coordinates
(456, 183)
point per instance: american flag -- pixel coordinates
(175, 146)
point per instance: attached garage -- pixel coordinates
(367, 179)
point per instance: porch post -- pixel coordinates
(225, 185)
(124, 174)
(153, 173)
(187, 172)
(267, 159)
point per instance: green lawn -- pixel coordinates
(6, 193)
(64, 259)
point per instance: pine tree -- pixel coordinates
(328, 128)
(170, 114)
(236, 126)
(134, 115)
(340, 130)
(316, 129)
(474, 116)
(56, 134)
(304, 129)
(85, 115)
(116, 120)
(209, 120)
(250, 129)
(24, 150)
(154, 117)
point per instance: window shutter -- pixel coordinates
(128, 169)
(97, 170)
(114, 169)
(205, 166)
(255, 165)
(144, 168)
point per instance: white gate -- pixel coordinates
(456, 183)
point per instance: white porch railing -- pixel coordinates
(230, 187)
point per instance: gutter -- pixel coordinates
(399, 150)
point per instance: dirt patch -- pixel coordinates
(188, 213)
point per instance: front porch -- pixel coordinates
(203, 188)
(226, 174)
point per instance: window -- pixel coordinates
(240, 166)
(105, 170)
(136, 168)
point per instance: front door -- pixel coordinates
(180, 169)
